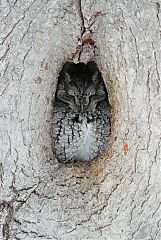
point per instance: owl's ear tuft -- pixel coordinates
(67, 77)
(95, 78)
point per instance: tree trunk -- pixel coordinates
(116, 196)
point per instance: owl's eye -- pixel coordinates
(71, 92)
(89, 93)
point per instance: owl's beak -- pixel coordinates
(82, 108)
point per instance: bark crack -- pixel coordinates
(136, 231)
(86, 44)
(136, 47)
(150, 110)
(82, 18)
(11, 209)
(157, 69)
(158, 10)
(8, 219)
(10, 32)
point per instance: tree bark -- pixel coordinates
(118, 195)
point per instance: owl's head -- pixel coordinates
(82, 95)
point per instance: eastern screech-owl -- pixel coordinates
(81, 117)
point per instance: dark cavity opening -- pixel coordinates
(81, 126)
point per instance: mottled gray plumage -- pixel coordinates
(81, 117)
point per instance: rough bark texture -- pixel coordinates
(117, 196)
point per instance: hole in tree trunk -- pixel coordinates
(81, 125)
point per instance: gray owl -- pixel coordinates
(81, 124)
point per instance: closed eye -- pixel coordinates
(89, 93)
(71, 92)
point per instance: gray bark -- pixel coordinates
(118, 195)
